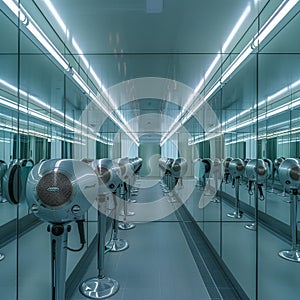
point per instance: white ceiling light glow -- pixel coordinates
(82, 57)
(237, 121)
(13, 6)
(35, 30)
(57, 17)
(195, 95)
(123, 124)
(236, 28)
(54, 113)
(284, 8)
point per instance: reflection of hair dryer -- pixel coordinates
(108, 173)
(136, 164)
(226, 163)
(216, 166)
(289, 173)
(277, 163)
(60, 191)
(236, 168)
(3, 168)
(269, 165)
(14, 181)
(179, 168)
(257, 171)
(165, 165)
(289, 176)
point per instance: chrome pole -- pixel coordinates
(294, 253)
(116, 244)
(100, 287)
(59, 242)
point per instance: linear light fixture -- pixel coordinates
(169, 133)
(79, 51)
(6, 141)
(27, 20)
(40, 103)
(237, 62)
(281, 92)
(124, 125)
(48, 45)
(98, 81)
(260, 117)
(8, 103)
(13, 6)
(57, 17)
(189, 114)
(80, 82)
(274, 111)
(285, 7)
(212, 66)
(263, 116)
(236, 27)
(14, 129)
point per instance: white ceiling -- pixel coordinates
(122, 41)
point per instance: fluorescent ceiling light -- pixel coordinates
(281, 92)
(284, 8)
(57, 17)
(26, 19)
(98, 81)
(80, 82)
(272, 22)
(47, 44)
(188, 115)
(13, 6)
(295, 84)
(79, 51)
(236, 28)
(197, 88)
(41, 104)
(236, 63)
(207, 74)
(108, 112)
(240, 124)
(6, 141)
(124, 126)
(212, 66)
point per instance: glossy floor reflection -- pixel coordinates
(157, 265)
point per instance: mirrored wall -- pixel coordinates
(243, 118)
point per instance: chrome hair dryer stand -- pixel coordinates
(100, 287)
(116, 244)
(59, 241)
(252, 226)
(124, 195)
(237, 213)
(215, 198)
(294, 253)
(125, 225)
(236, 169)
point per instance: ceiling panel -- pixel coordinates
(122, 41)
